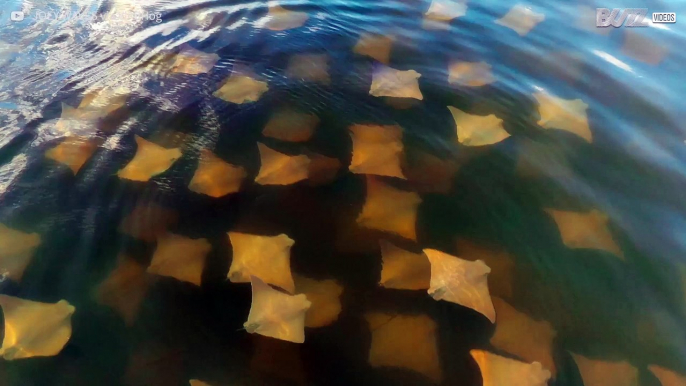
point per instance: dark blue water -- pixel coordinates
(620, 303)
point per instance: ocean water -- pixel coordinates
(578, 210)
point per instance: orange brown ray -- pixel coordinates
(389, 209)
(16, 251)
(215, 177)
(325, 297)
(149, 161)
(403, 269)
(266, 257)
(586, 230)
(34, 329)
(406, 341)
(180, 257)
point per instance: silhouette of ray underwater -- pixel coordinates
(332, 205)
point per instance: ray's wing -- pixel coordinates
(499, 371)
(265, 257)
(403, 269)
(149, 161)
(389, 209)
(461, 282)
(34, 328)
(276, 314)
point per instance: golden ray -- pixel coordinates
(477, 130)
(291, 126)
(563, 114)
(499, 371)
(180, 257)
(403, 269)
(430, 174)
(105, 100)
(266, 257)
(521, 19)
(16, 251)
(148, 221)
(595, 372)
(73, 152)
(389, 82)
(500, 262)
(193, 62)
(74, 121)
(441, 12)
(667, 377)
(470, 74)
(518, 334)
(215, 177)
(377, 149)
(643, 48)
(406, 341)
(461, 282)
(310, 68)
(537, 159)
(149, 161)
(195, 382)
(322, 169)
(375, 46)
(325, 296)
(241, 88)
(34, 329)
(281, 169)
(585, 230)
(280, 19)
(390, 210)
(276, 314)
(124, 289)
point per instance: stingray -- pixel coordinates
(325, 296)
(148, 221)
(478, 130)
(521, 19)
(309, 68)
(586, 230)
(375, 46)
(124, 289)
(642, 48)
(180, 257)
(499, 371)
(281, 19)
(149, 161)
(377, 150)
(518, 334)
(276, 314)
(405, 341)
(389, 209)
(34, 329)
(16, 251)
(322, 169)
(265, 257)
(193, 62)
(596, 372)
(281, 169)
(667, 377)
(470, 74)
(428, 173)
(241, 87)
(73, 152)
(461, 282)
(291, 126)
(563, 114)
(403, 269)
(215, 177)
(501, 263)
(96, 104)
(441, 12)
(195, 382)
(389, 82)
